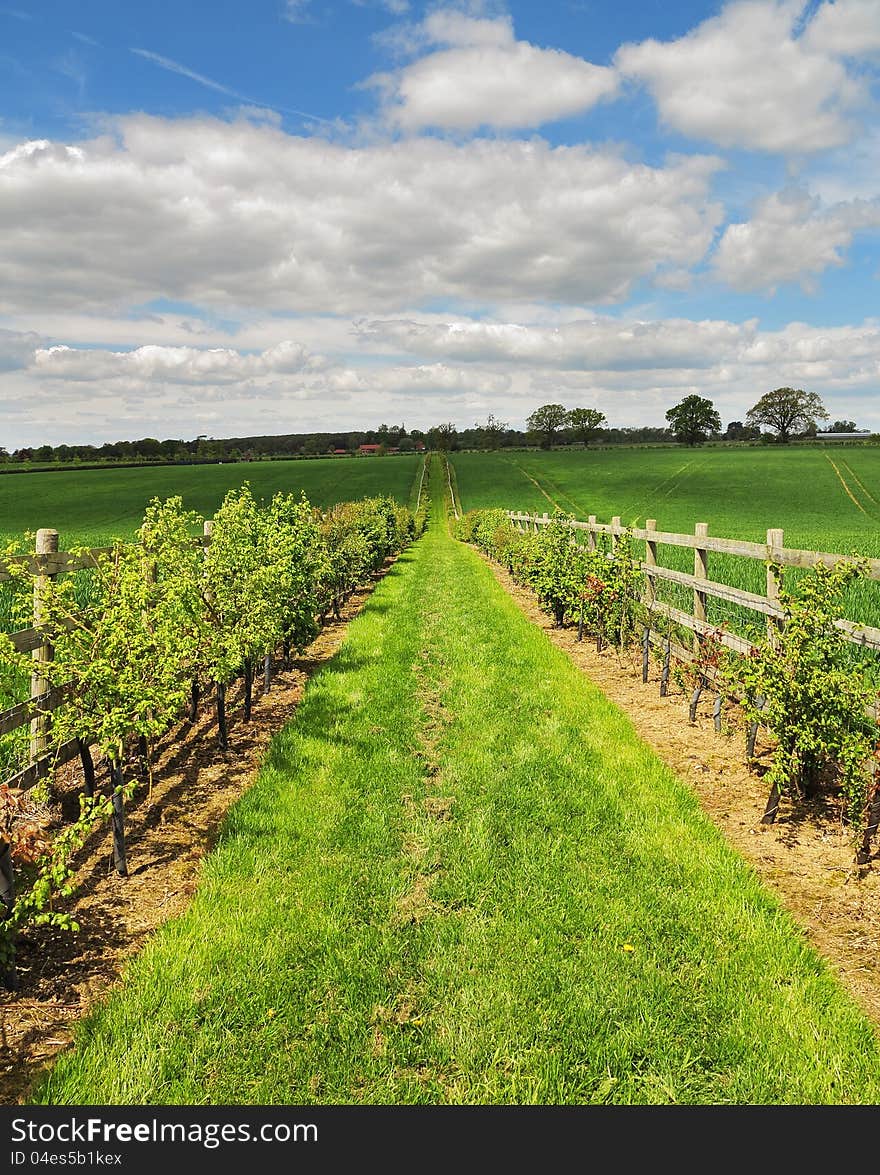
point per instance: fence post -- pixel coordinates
(591, 534)
(701, 570)
(774, 542)
(546, 517)
(46, 544)
(650, 561)
(615, 531)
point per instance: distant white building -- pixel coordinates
(861, 435)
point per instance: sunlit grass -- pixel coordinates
(461, 878)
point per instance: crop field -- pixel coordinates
(823, 499)
(93, 506)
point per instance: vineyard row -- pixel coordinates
(126, 641)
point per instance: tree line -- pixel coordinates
(786, 412)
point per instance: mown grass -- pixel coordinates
(461, 878)
(93, 506)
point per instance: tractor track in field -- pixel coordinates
(846, 488)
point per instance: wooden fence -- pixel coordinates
(772, 551)
(46, 563)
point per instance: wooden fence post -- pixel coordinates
(774, 542)
(615, 531)
(591, 534)
(46, 544)
(650, 561)
(701, 571)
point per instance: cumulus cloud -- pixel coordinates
(745, 78)
(791, 238)
(602, 344)
(236, 214)
(176, 365)
(611, 355)
(482, 76)
(425, 369)
(850, 28)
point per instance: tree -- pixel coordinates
(737, 431)
(584, 423)
(492, 431)
(548, 420)
(693, 419)
(844, 426)
(443, 437)
(786, 410)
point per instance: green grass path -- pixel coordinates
(460, 878)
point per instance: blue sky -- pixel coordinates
(286, 216)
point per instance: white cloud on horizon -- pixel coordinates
(426, 370)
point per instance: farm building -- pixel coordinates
(861, 435)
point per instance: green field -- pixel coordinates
(741, 493)
(93, 506)
(461, 879)
(823, 499)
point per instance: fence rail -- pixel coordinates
(864, 635)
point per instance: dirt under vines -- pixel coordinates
(806, 857)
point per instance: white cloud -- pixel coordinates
(597, 344)
(454, 370)
(745, 79)
(485, 77)
(850, 28)
(296, 11)
(238, 214)
(173, 365)
(791, 238)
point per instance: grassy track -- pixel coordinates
(95, 505)
(460, 878)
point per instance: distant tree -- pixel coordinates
(693, 419)
(547, 421)
(584, 423)
(492, 431)
(844, 426)
(443, 436)
(737, 431)
(787, 410)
